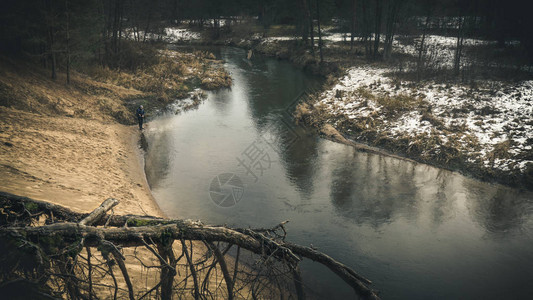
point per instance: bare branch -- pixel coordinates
(97, 214)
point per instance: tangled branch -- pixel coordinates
(68, 232)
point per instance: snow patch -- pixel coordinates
(489, 122)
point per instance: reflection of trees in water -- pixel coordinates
(498, 209)
(372, 189)
(343, 182)
(375, 190)
(157, 160)
(442, 203)
(299, 159)
(221, 100)
(273, 87)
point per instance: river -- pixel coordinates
(416, 231)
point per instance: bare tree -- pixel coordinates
(393, 10)
(422, 49)
(459, 45)
(67, 12)
(377, 28)
(353, 23)
(51, 29)
(319, 32)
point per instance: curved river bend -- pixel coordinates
(418, 232)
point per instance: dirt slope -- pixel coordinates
(64, 143)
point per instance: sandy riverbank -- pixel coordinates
(73, 162)
(75, 144)
(64, 143)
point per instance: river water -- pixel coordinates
(416, 231)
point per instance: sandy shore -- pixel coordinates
(73, 162)
(63, 143)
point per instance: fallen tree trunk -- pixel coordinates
(133, 231)
(134, 236)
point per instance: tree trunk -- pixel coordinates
(51, 38)
(176, 12)
(68, 41)
(459, 46)
(366, 34)
(168, 271)
(392, 16)
(306, 25)
(421, 50)
(114, 41)
(319, 33)
(148, 21)
(353, 23)
(245, 238)
(377, 28)
(120, 27)
(312, 30)
(99, 212)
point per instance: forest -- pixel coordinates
(62, 34)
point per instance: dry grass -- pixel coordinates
(29, 88)
(312, 115)
(500, 151)
(435, 121)
(401, 102)
(214, 79)
(173, 76)
(392, 105)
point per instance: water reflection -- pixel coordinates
(158, 155)
(442, 207)
(274, 85)
(221, 100)
(417, 231)
(372, 189)
(500, 210)
(298, 158)
(378, 190)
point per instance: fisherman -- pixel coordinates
(140, 116)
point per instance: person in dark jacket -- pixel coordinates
(140, 116)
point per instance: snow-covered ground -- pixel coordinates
(169, 35)
(481, 122)
(180, 34)
(439, 51)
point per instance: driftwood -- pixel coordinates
(144, 231)
(99, 212)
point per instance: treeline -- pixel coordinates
(62, 32)
(374, 22)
